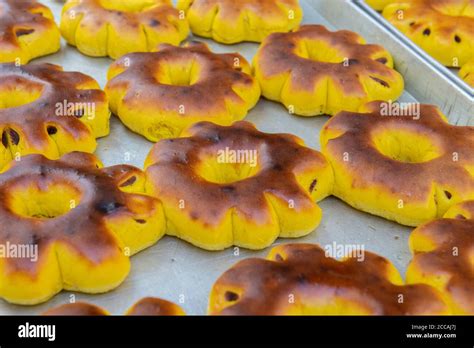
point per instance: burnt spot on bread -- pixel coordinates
(140, 221)
(155, 23)
(351, 61)
(9, 135)
(427, 32)
(380, 81)
(301, 279)
(79, 113)
(23, 32)
(228, 189)
(448, 194)
(129, 181)
(278, 167)
(194, 215)
(312, 185)
(457, 38)
(108, 207)
(278, 257)
(51, 130)
(215, 138)
(231, 296)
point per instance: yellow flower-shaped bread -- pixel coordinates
(404, 164)
(159, 94)
(115, 27)
(46, 110)
(231, 21)
(234, 185)
(27, 31)
(444, 257)
(314, 71)
(443, 28)
(66, 224)
(300, 279)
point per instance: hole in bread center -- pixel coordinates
(319, 51)
(229, 165)
(405, 145)
(35, 199)
(129, 5)
(182, 72)
(16, 92)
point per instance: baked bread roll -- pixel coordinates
(66, 224)
(404, 164)
(313, 71)
(223, 186)
(113, 28)
(230, 21)
(159, 94)
(27, 31)
(443, 255)
(46, 110)
(146, 306)
(443, 28)
(300, 279)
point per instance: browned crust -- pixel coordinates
(83, 228)
(277, 55)
(155, 306)
(411, 182)
(281, 156)
(75, 309)
(148, 306)
(218, 83)
(304, 271)
(20, 17)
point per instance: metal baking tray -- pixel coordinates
(177, 271)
